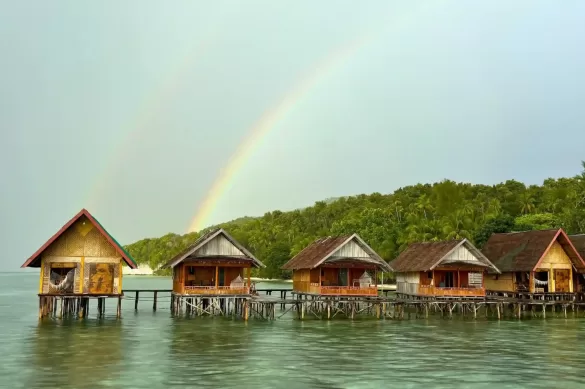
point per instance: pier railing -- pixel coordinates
(430, 290)
(220, 290)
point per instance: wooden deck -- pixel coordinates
(216, 291)
(314, 288)
(265, 303)
(430, 290)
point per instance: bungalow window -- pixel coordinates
(430, 275)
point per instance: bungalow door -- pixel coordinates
(342, 277)
(562, 280)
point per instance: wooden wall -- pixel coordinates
(179, 279)
(302, 280)
(97, 264)
(408, 282)
(503, 283)
(330, 276)
(556, 259)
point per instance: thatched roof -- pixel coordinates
(190, 253)
(323, 250)
(522, 251)
(579, 243)
(426, 256)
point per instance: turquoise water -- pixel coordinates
(152, 350)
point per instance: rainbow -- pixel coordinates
(269, 120)
(157, 103)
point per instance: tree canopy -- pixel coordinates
(417, 213)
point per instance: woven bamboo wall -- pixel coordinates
(84, 245)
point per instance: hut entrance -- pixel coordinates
(562, 277)
(449, 280)
(221, 276)
(101, 278)
(342, 277)
(541, 282)
(62, 278)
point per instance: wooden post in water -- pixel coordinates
(154, 301)
(136, 301)
(119, 310)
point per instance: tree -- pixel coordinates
(389, 223)
(499, 224)
(536, 221)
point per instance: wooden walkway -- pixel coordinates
(272, 304)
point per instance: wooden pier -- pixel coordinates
(273, 304)
(60, 306)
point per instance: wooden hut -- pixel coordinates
(215, 265)
(81, 261)
(533, 262)
(452, 268)
(336, 266)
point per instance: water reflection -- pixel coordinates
(150, 350)
(76, 353)
(205, 351)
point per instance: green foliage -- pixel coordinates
(418, 213)
(498, 224)
(536, 221)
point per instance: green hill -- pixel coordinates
(422, 212)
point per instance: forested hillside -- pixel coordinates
(422, 212)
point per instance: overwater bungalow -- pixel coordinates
(542, 262)
(336, 266)
(454, 268)
(215, 265)
(81, 261)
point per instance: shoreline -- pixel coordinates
(390, 287)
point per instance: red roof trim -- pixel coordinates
(559, 232)
(83, 212)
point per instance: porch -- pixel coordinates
(334, 281)
(547, 281)
(430, 290)
(199, 279)
(217, 291)
(338, 290)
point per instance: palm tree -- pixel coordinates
(424, 204)
(455, 226)
(527, 202)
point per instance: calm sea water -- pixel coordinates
(152, 350)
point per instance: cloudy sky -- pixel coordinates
(133, 109)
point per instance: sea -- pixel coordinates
(146, 349)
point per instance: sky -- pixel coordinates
(136, 109)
